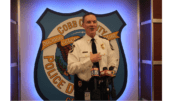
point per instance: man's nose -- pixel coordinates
(92, 24)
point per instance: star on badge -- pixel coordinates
(102, 46)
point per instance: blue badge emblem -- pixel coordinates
(59, 30)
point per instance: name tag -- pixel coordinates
(85, 52)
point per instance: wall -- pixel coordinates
(31, 36)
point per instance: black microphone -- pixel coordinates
(106, 95)
(96, 92)
(104, 68)
(113, 91)
(95, 74)
(106, 78)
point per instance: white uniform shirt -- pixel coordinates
(79, 57)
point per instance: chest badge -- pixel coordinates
(102, 46)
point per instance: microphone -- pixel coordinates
(105, 74)
(113, 91)
(104, 68)
(113, 72)
(106, 77)
(96, 92)
(95, 73)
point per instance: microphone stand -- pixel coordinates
(106, 94)
(96, 92)
(113, 91)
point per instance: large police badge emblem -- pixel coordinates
(52, 81)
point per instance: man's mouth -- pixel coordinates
(92, 29)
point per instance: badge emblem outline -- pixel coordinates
(43, 37)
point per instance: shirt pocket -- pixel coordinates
(84, 55)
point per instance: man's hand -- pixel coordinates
(95, 57)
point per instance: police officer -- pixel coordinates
(81, 57)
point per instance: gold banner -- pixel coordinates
(64, 42)
(51, 41)
(69, 40)
(112, 36)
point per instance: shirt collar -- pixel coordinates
(88, 38)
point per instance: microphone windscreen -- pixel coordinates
(111, 68)
(104, 68)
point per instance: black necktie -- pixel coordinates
(96, 94)
(94, 51)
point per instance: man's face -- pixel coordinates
(90, 25)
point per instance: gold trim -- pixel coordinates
(157, 20)
(157, 62)
(19, 59)
(152, 49)
(139, 53)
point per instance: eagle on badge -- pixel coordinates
(62, 67)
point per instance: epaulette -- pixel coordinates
(103, 37)
(108, 40)
(78, 39)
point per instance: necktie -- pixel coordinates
(94, 51)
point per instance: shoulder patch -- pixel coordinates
(77, 39)
(103, 37)
(72, 48)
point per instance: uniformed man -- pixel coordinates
(81, 57)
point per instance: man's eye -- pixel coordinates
(94, 21)
(88, 21)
